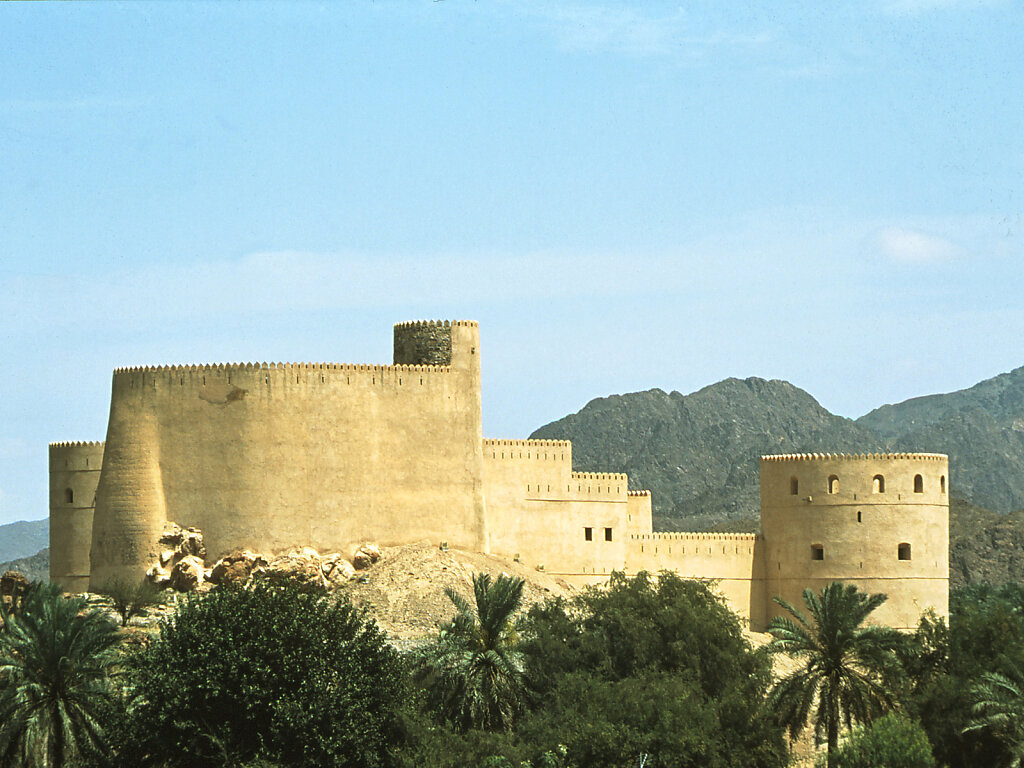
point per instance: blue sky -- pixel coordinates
(626, 196)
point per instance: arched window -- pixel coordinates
(833, 484)
(918, 484)
(69, 496)
(942, 484)
(903, 551)
(794, 486)
(817, 552)
(878, 484)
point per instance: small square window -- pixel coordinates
(588, 534)
(817, 552)
(607, 534)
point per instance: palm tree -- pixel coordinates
(845, 677)
(472, 672)
(999, 706)
(54, 660)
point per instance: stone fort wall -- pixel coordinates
(880, 521)
(281, 455)
(274, 456)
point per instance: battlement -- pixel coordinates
(599, 476)
(292, 367)
(854, 456)
(693, 536)
(638, 493)
(78, 444)
(437, 323)
(489, 443)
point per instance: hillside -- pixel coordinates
(36, 567)
(981, 428)
(699, 453)
(23, 539)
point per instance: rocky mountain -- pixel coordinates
(35, 567)
(23, 538)
(981, 428)
(699, 453)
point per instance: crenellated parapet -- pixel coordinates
(854, 456)
(598, 476)
(192, 368)
(407, 324)
(694, 536)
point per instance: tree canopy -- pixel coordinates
(270, 672)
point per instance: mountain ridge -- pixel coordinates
(699, 453)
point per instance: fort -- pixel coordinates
(274, 456)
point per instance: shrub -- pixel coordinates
(891, 741)
(272, 673)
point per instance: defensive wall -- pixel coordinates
(280, 455)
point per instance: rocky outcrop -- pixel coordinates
(180, 564)
(188, 574)
(236, 567)
(13, 586)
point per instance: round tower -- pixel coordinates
(74, 476)
(879, 521)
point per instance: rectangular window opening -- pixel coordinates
(588, 534)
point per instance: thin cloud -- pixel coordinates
(596, 28)
(913, 247)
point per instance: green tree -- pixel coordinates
(891, 741)
(985, 634)
(645, 666)
(473, 672)
(848, 668)
(55, 656)
(269, 674)
(999, 707)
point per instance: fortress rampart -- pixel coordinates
(270, 456)
(274, 456)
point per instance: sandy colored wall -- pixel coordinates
(74, 467)
(862, 551)
(539, 509)
(275, 456)
(639, 513)
(729, 559)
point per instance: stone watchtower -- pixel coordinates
(880, 521)
(74, 475)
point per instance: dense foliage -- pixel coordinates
(945, 664)
(892, 741)
(641, 671)
(847, 668)
(640, 668)
(273, 672)
(55, 656)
